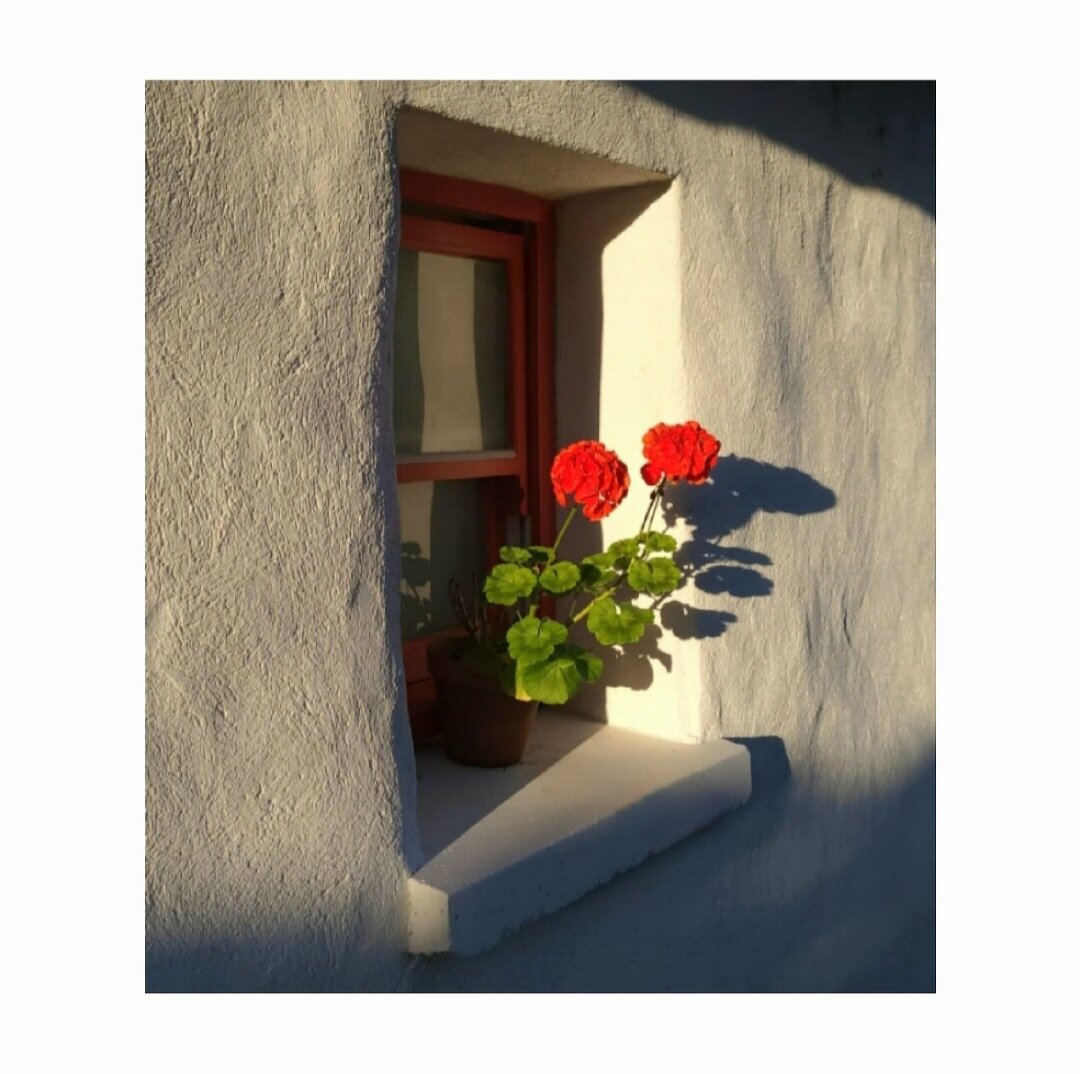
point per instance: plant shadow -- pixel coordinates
(416, 606)
(740, 488)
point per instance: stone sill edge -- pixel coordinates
(475, 917)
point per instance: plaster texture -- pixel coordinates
(789, 289)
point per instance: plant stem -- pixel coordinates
(646, 527)
(554, 549)
(654, 504)
(566, 523)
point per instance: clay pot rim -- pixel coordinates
(482, 725)
(443, 664)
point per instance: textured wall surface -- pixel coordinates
(280, 817)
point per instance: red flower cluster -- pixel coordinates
(593, 476)
(679, 451)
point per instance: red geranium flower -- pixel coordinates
(678, 452)
(593, 476)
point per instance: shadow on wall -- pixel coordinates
(738, 489)
(879, 134)
(416, 613)
(291, 961)
(796, 891)
(770, 900)
(634, 217)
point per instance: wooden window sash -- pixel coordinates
(515, 480)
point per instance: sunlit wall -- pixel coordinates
(769, 273)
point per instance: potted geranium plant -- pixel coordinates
(516, 657)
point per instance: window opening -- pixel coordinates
(473, 424)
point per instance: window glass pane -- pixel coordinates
(450, 333)
(441, 538)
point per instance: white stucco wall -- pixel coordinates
(800, 329)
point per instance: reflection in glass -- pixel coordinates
(450, 332)
(441, 539)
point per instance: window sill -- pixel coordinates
(506, 846)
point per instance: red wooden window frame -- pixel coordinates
(514, 481)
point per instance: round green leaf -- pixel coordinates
(560, 577)
(626, 547)
(617, 624)
(654, 576)
(533, 639)
(508, 583)
(556, 679)
(603, 560)
(589, 665)
(659, 542)
(513, 554)
(594, 579)
(553, 681)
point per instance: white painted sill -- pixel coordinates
(506, 846)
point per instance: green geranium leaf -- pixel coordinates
(626, 547)
(533, 639)
(560, 577)
(552, 681)
(541, 553)
(603, 560)
(594, 579)
(510, 680)
(555, 680)
(589, 665)
(617, 624)
(659, 542)
(508, 583)
(654, 576)
(512, 554)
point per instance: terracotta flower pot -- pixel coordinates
(481, 724)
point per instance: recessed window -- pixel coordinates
(473, 425)
(495, 849)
